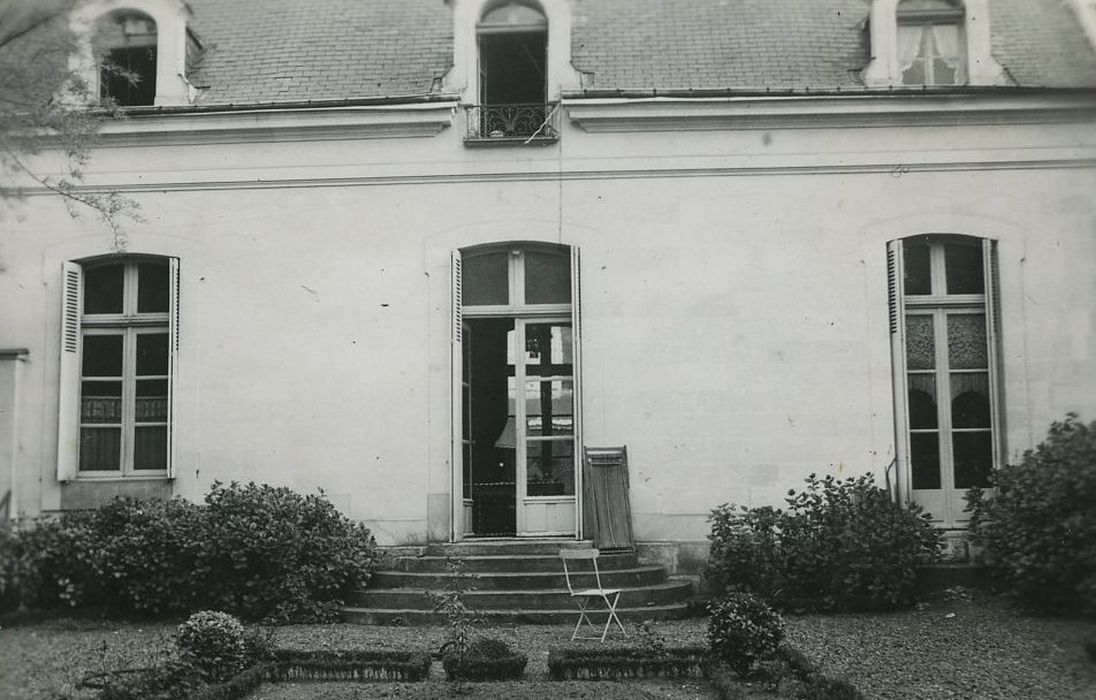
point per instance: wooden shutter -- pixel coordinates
(576, 368)
(68, 407)
(896, 308)
(173, 365)
(456, 363)
(993, 341)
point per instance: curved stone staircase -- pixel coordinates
(512, 581)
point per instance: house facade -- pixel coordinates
(420, 253)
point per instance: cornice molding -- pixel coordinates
(898, 108)
(279, 125)
(896, 170)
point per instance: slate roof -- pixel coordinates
(295, 50)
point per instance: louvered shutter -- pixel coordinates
(576, 368)
(993, 341)
(896, 309)
(173, 365)
(456, 363)
(68, 407)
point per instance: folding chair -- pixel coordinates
(584, 596)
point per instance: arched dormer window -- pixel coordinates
(125, 47)
(513, 55)
(931, 42)
(512, 50)
(136, 52)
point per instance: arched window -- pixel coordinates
(516, 389)
(513, 55)
(931, 44)
(118, 358)
(944, 338)
(125, 47)
(512, 40)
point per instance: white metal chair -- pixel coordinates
(584, 596)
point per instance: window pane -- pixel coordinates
(967, 341)
(486, 279)
(973, 454)
(549, 407)
(151, 354)
(548, 349)
(100, 449)
(920, 346)
(152, 287)
(151, 404)
(970, 400)
(963, 266)
(150, 448)
(942, 73)
(102, 356)
(103, 289)
(917, 275)
(550, 468)
(925, 460)
(922, 401)
(547, 278)
(101, 402)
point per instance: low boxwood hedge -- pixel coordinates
(474, 669)
(352, 665)
(616, 663)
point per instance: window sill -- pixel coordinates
(482, 141)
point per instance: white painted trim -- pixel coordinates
(909, 107)
(171, 16)
(1086, 15)
(463, 78)
(884, 69)
(280, 125)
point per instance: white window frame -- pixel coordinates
(528, 314)
(129, 324)
(947, 503)
(979, 66)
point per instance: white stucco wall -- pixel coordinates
(734, 299)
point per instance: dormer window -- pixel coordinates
(513, 49)
(930, 42)
(125, 44)
(512, 42)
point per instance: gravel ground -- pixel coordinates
(958, 648)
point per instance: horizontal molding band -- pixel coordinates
(896, 170)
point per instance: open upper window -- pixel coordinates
(513, 50)
(136, 53)
(125, 46)
(930, 42)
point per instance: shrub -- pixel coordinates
(619, 663)
(1039, 528)
(273, 554)
(839, 544)
(484, 659)
(743, 631)
(214, 643)
(280, 556)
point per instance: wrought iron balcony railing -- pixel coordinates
(514, 124)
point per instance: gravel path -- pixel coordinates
(969, 649)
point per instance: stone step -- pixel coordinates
(507, 546)
(568, 615)
(517, 580)
(549, 599)
(513, 563)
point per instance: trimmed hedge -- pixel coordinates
(811, 683)
(275, 555)
(473, 669)
(617, 663)
(352, 665)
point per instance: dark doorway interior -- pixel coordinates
(512, 68)
(493, 455)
